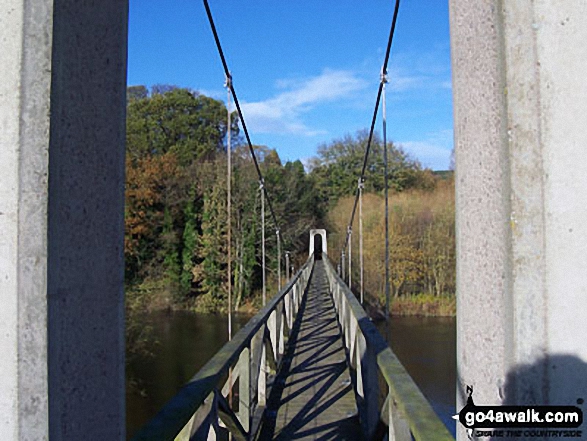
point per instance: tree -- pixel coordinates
(338, 166)
(136, 93)
(191, 125)
(146, 182)
(189, 242)
(210, 272)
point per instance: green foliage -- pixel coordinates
(212, 242)
(191, 125)
(338, 166)
(176, 221)
(190, 241)
(134, 93)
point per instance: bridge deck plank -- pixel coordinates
(313, 396)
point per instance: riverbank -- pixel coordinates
(424, 305)
(155, 297)
(415, 305)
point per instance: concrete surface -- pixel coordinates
(520, 137)
(62, 109)
(24, 129)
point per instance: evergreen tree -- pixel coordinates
(211, 271)
(190, 240)
(170, 251)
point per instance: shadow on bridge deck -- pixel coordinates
(313, 396)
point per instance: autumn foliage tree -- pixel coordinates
(176, 220)
(422, 241)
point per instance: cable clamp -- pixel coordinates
(361, 184)
(228, 81)
(384, 79)
(261, 184)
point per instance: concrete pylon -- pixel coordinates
(520, 106)
(62, 130)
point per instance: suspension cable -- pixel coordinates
(265, 194)
(278, 261)
(228, 205)
(239, 111)
(262, 188)
(350, 235)
(361, 260)
(374, 119)
(385, 178)
(229, 222)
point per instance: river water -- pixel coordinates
(186, 341)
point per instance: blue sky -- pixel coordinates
(307, 72)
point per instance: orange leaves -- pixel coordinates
(146, 181)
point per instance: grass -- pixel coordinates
(424, 305)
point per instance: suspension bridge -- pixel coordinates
(310, 364)
(519, 99)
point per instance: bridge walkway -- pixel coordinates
(313, 396)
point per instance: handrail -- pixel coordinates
(406, 411)
(197, 407)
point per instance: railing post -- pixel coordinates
(213, 418)
(398, 429)
(340, 304)
(244, 389)
(272, 325)
(257, 362)
(359, 360)
(353, 340)
(212, 433)
(262, 380)
(291, 307)
(281, 328)
(295, 299)
(287, 306)
(371, 390)
(343, 323)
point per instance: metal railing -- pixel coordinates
(207, 406)
(405, 411)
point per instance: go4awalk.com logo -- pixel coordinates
(520, 421)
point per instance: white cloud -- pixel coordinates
(433, 151)
(420, 70)
(283, 113)
(218, 94)
(400, 82)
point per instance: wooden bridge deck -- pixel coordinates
(313, 395)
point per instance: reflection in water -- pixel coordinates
(425, 346)
(185, 342)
